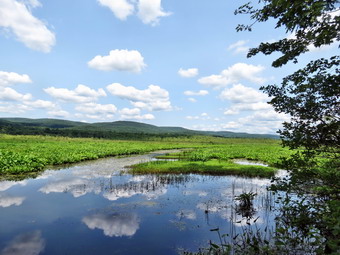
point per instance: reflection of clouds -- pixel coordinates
(76, 186)
(187, 214)
(200, 193)
(7, 201)
(5, 185)
(212, 206)
(113, 224)
(26, 244)
(117, 193)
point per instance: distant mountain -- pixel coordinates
(110, 130)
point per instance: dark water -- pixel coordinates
(95, 208)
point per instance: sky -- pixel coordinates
(165, 63)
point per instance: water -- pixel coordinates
(97, 208)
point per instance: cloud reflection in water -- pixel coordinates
(113, 224)
(30, 243)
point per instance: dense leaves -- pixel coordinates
(312, 23)
(311, 97)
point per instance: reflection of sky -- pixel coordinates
(76, 186)
(30, 243)
(7, 201)
(186, 214)
(5, 185)
(113, 224)
(203, 201)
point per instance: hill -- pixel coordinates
(109, 130)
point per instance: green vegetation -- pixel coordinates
(20, 154)
(127, 130)
(212, 167)
(209, 155)
(216, 159)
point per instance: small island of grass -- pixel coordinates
(211, 167)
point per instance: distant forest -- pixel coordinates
(127, 130)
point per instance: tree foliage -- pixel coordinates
(311, 97)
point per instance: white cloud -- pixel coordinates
(154, 98)
(120, 8)
(9, 78)
(234, 74)
(231, 112)
(29, 243)
(188, 73)
(198, 93)
(13, 108)
(113, 224)
(9, 94)
(192, 100)
(239, 47)
(203, 116)
(134, 114)
(261, 122)
(29, 30)
(59, 114)
(93, 108)
(150, 11)
(242, 94)
(42, 104)
(120, 60)
(31, 3)
(81, 94)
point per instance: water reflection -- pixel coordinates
(113, 224)
(5, 185)
(7, 201)
(30, 243)
(88, 199)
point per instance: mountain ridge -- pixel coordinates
(51, 126)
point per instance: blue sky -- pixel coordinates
(167, 63)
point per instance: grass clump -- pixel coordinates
(211, 167)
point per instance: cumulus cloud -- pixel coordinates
(120, 8)
(198, 93)
(192, 100)
(59, 114)
(134, 114)
(28, 243)
(113, 224)
(203, 116)
(150, 11)
(234, 74)
(119, 60)
(93, 108)
(242, 94)
(260, 122)
(10, 78)
(81, 94)
(188, 73)
(17, 17)
(154, 98)
(239, 47)
(9, 94)
(40, 104)
(13, 108)
(244, 99)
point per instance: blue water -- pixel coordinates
(97, 208)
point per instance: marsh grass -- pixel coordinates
(211, 167)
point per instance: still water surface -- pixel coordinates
(97, 208)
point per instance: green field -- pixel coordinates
(24, 154)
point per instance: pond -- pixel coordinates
(95, 207)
